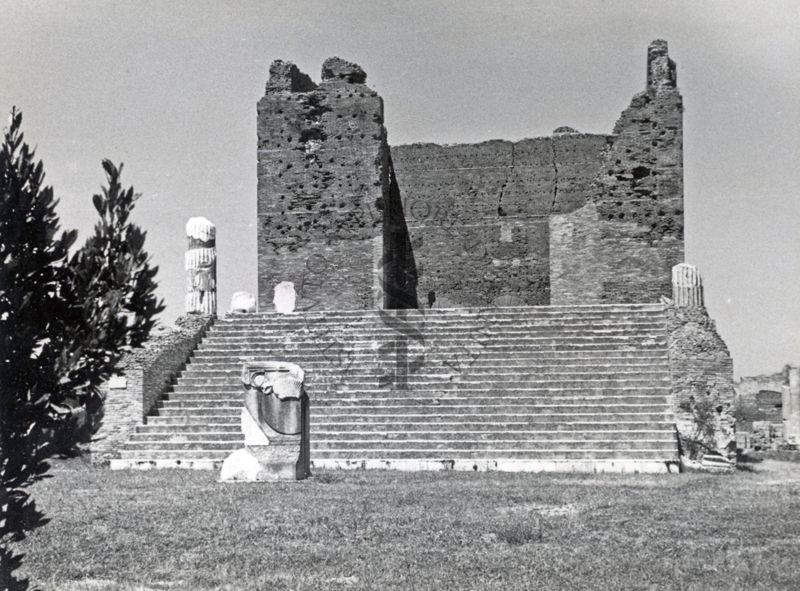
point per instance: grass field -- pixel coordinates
(389, 530)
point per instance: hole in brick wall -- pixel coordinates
(640, 172)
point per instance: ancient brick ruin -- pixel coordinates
(571, 218)
(492, 306)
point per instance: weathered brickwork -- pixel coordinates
(571, 218)
(478, 214)
(323, 175)
(144, 376)
(622, 245)
(701, 371)
(764, 395)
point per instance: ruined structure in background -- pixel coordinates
(768, 407)
(492, 306)
(201, 267)
(568, 219)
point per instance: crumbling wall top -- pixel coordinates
(661, 71)
(337, 69)
(286, 76)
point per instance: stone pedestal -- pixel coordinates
(275, 424)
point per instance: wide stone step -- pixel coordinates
(365, 342)
(202, 429)
(344, 428)
(445, 400)
(489, 408)
(232, 365)
(434, 382)
(489, 355)
(374, 391)
(485, 405)
(443, 330)
(487, 312)
(538, 418)
(227, 445)
(341, 352)
(199, 420)
(179, 437)
(663, 454)
(490, 434)
(195, 455)
(221, 370)
(487, 400)
(495, 444)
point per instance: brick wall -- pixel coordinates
(762, 398)
(477, 214)
(701, 369)
(567, 219)
(622, 245)
(323, 176)
(142, 380)
(597, 260)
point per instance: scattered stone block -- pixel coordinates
(285, 298)
(243, 302)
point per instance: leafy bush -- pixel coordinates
(64, 321)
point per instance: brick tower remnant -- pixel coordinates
(622, 245)
(323, 172)
(687, 286)
(201, 267)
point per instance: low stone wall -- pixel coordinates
(702, 383)
(144, 376)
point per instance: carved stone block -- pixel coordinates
(275, 424)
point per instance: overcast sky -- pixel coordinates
(169, 88)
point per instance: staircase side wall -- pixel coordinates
(701, 370)
(144, 377)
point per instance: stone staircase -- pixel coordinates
(570, 388)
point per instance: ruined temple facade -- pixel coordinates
(572, 218)
(493, 306)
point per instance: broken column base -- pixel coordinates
(280, 460)
(267, 456)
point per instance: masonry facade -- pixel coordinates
(357, 224)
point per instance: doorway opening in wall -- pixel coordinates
(431, 298)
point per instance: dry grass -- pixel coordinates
(388, 530)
